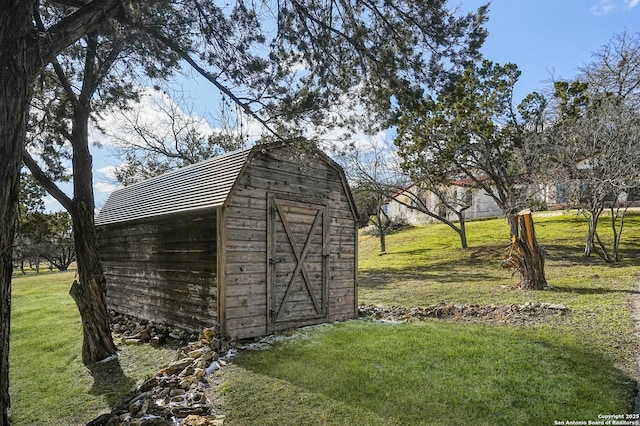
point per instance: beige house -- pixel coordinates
(480, 203)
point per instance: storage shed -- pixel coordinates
(250, 242)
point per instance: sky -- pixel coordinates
(546, 39)
(551, 39)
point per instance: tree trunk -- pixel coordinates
(89, 290)
(525, 256)
(592, 223)
(17, 73)
(382, 225)
(617, 233)
(512, 219)
(383, 241)
(462, 231)
(588, 245)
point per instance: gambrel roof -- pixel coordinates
(202, 185)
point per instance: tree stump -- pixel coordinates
(525, 256)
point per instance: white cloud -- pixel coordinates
(51, 204)
(109, 172)
(152, 112)
(603, 7)
(105, 180)
(105, 187)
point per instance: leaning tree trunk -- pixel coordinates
(89, 292)
(17, 73)
(90, 288)
(462, 231)
(525, 256)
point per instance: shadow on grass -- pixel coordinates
(472, 265)
(110, 381)
(592, 290)
(382, 277)
(493, 375)
(575, 254)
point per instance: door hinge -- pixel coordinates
(274, 261)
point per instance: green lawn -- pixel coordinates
(570, 367)
(49, 385)
(364, 373)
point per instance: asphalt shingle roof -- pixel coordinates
(203, 185)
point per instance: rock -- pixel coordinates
(204, 352)
(219, 420)
(157, 340)
(188, 371)
(517, 314)
(179, 365)
(202, 362)
(198, 409)
(212, 367)
(177, 390)
(177, 334)
(559, 307)
(150, 421)
(195, 420)
(199, 373)
(187, 382)
(208, 334)
(107, 419)
(142, 335)
(134, 407)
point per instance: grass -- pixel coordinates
(49, 385)
(571, 367)
(428, 373)
(424, 266)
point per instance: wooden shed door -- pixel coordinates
(298, 254)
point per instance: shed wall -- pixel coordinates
(280, 173)
(163, 269)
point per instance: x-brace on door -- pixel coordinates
(298, 251)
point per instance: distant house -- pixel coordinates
(250, 242)
(481, 204)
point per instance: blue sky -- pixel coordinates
(545, 38)
(552, 38)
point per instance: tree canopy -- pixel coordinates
(471, 130)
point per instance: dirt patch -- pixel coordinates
(510, 314)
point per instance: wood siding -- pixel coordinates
(163, 269)
(210, 266)
(249, 290)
